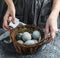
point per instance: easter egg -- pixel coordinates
(19, 36)
(35, 41)
(36, 35)
(29, 42)
(20, 41)
(26, 36)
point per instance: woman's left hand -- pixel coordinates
(51, 26)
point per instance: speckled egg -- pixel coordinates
(20, 41)
(26, 36)
(30, 42)
(36, 35)
(19, 36)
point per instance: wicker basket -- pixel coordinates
(22, 48)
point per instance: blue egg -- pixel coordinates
(36, 35)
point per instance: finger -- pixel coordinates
(52, 35)
(49, 40)
(5, 22)
(5, 27)
(53, 32)
(13, 18)
(46, 31)
(9, 19)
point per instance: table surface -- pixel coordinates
(51, 50)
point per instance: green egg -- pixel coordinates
(19, 36)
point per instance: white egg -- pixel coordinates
(30, 42)
(26, 36)
(20, 41)
(36, 35)
(35, 41)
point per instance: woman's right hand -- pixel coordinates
(9, 16)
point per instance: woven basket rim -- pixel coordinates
(24, 45)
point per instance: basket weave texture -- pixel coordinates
(22, 48)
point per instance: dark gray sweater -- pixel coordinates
(33, 12)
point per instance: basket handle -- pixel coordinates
(45, 41)
(44, 44)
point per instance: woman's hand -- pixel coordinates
(51, 25)
(9, 16)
